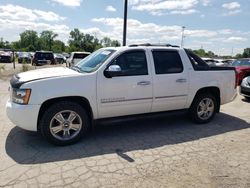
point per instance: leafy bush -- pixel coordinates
(25, 66)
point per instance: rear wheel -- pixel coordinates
(64, 123)
(203, 108)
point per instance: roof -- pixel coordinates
(144, 46)
(154, 45)
(81, 52)
(43, 52)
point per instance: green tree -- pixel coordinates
(91, 43)
(115, 43)
(29, 40)
(5, 44)
(88, 43)
(200, 52)
(58, 46)
(106, 42)
(76, 40)
(15, 45)
(238, 56)
(47, 39)
(210, 54)
(79, 41)
(246, 53)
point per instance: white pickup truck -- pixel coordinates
(63, 103)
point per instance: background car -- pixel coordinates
(214, 62)
(59, 58)
(43, 58)
(32, 54)
(242, 67)
(24, 57)
(209, 61)
(245, 88)
(228, 62)
(75, 57)
(66, 55)
(220, 62)
(5, 57)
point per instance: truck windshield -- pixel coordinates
(93, 61)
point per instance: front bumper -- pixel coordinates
(24, 116)
(245, 91)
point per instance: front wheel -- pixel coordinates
(64, 123)
(203, 108)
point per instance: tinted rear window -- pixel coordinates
(167, 62)
(80, 56)
(46, 56)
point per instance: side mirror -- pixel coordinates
(113, 70)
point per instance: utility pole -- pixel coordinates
(125, 22)
(182, 36)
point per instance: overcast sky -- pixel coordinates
(217, 25)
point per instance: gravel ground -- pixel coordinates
(165, 151)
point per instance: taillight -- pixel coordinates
(236, 79)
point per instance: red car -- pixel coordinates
(242, 67)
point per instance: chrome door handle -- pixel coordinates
(181, 80)
(143, 83)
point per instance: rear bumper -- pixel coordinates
(24, 116)
(42, 62)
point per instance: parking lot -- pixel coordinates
(159, 151)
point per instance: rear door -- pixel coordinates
(129, 93)
(170, 80)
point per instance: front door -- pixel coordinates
(131, 91)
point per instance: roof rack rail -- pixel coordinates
(148, 44)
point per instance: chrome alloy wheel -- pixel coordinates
(205, 108)
(65, 125)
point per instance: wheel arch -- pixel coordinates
(79, 100)
(215, 91)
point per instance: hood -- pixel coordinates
(45, 73)
(39, 74)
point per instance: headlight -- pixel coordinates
(21, 96)
(244, 82)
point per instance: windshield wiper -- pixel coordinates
(76, 68)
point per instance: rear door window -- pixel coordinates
(167, 62)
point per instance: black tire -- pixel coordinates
(195, 107)
(247, 98)
(48, 117)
